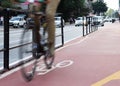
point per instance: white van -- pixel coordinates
(79, 21)
(99, 20)
(58, 21)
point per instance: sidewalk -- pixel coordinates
(93, 60)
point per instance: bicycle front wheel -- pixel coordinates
(28, 61)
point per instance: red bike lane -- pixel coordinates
(87, 61)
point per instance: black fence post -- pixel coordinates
(92, 23)
(89, 22)
(83, 26)
(97, 25)
(62, 31)
(6, 38)
(86, 25)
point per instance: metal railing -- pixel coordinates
(90, 25)
(6, 49)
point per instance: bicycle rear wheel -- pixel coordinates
(28, 60)
(48, 59)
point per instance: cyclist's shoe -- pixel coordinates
(41, 49)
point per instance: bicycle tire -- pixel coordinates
(28, 60)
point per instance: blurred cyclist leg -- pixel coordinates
(50, 13)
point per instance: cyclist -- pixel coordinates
(51, 7)
(50, 13)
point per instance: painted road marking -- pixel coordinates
(18, 68)
(41, 68)
(114, 76)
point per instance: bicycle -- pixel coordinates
(32, 49)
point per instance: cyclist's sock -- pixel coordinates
(51, 48)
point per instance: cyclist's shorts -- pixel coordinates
(22, 1)
(40, 1)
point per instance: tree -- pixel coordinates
(72, 8)
(6, 3)
(99, 7)
(112, 13)
(109, 12)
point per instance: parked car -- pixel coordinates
(107, 20)
(17, 22)
(22, 15)
(98, 20)
(79, 21)
(58, 22)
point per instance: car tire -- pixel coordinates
(24, 25)
(14, 27)
(18, 26)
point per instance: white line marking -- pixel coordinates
(8, 73)
(41, 69)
